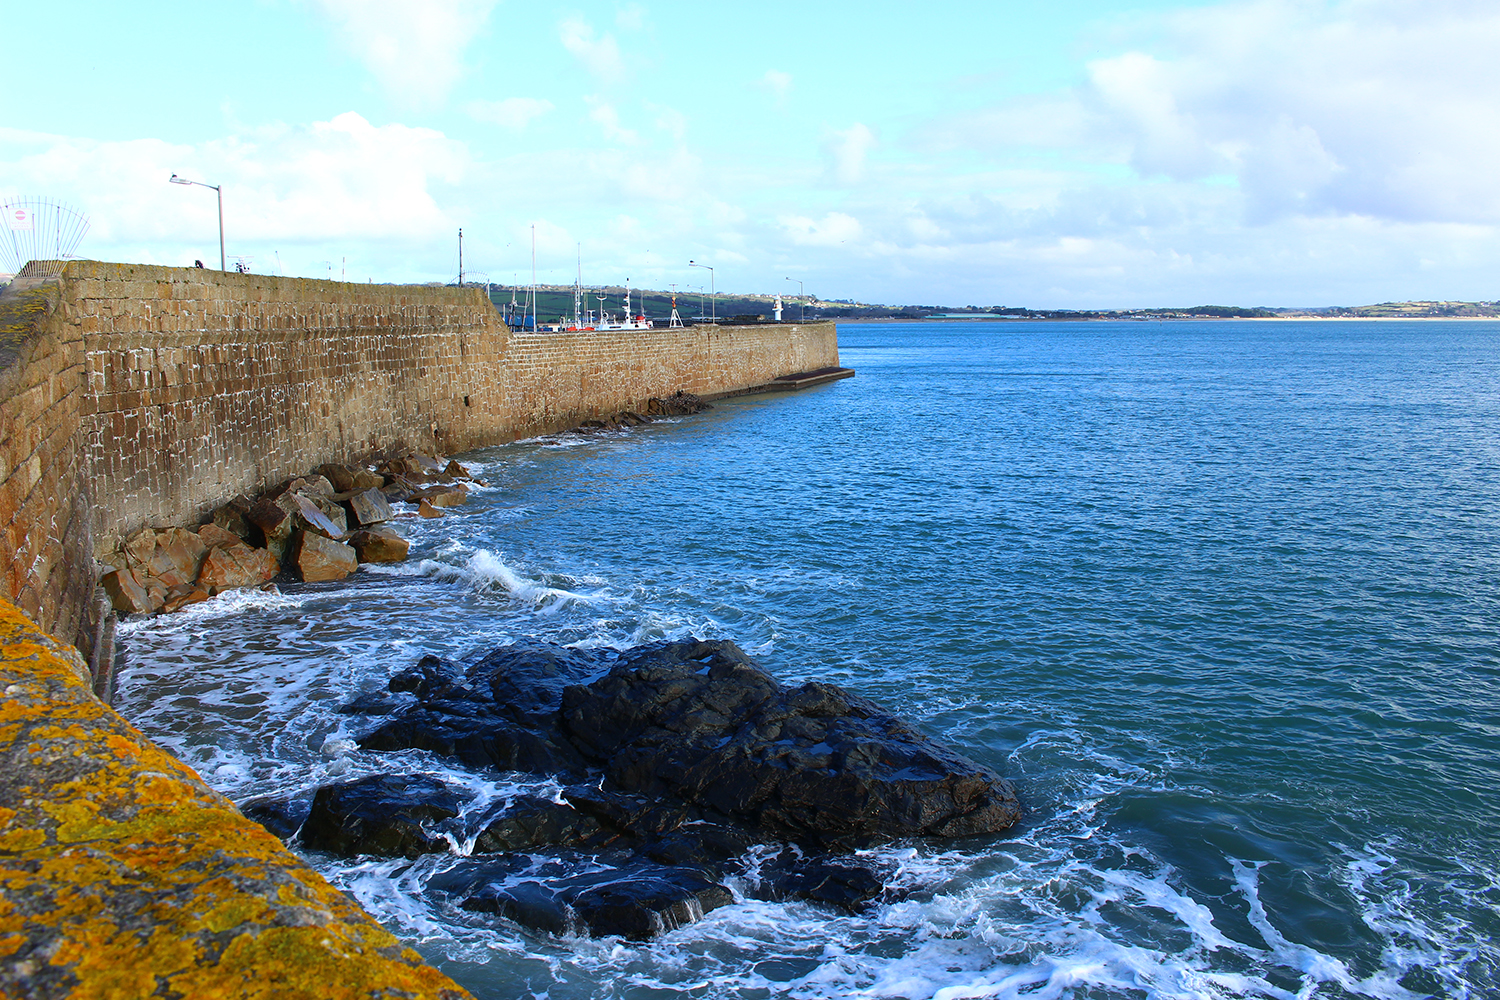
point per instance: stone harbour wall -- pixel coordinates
(138, 396)
(135, 396)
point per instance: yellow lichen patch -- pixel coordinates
(123, 875)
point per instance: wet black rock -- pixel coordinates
(638, 900)
(282, 815)
(682, 757)
(530, 821)
(843, 881)
(499, 713)
(384, 814)
(702, 723)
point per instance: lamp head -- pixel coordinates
(179, 180)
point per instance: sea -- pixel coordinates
(1222, 598)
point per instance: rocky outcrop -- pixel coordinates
(680, 757)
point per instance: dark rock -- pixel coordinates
(530, 821)
(701, 722)
(502, 713)
(373, 703)
(838, 881)
(282, 815)
(639, 901)
(678, 404)
(233, 517)
(385, 814)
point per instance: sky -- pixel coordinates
(1073, 154)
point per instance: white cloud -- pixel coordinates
(631, 17)
(779, 84)
(603, 114)
(513, 112)
(343, 181)
(600, 55)
(1368, 107)
(847, 149)
(415, 50)
(833, 229)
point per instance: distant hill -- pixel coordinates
(556, 301)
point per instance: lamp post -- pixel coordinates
(713, 295)
(801, 300)
(220, 191)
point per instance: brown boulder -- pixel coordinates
(181, 597)
(370, 507)
(125, 593)
(380, 545)
(178, 557)
(364, 479)
(232, 517)
(318, 559)
(448, 498)
(215, 536)
(340, 476)
(238, 565)
(428, 510)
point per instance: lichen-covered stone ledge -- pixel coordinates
(122, 875)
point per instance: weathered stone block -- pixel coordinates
(380, 545)
(370, 507)
(125, 594)
(318, 559)
(236, 565)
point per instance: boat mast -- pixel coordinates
(578, 293)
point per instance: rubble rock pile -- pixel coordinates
(315, 528)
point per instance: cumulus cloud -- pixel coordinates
(778, 83)
(1374, 107)
(513, 112)
(599, 54)
(833, 229)
(415, 50)
(846, 150)
(343, 180)
(604, 114)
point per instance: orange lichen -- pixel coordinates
(123, 875)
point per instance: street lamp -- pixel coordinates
(800, 299)
(183, 180)
(713, 296)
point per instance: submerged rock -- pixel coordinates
(385, 814)
(638, 900)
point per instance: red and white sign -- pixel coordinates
(19, 218)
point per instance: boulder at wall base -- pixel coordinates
(384, 814)
(228, 567)
(379, 545)
(370, 507)
(318, 559)
(340, 477)
(678, 404)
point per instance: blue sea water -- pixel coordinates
(1222, 598)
